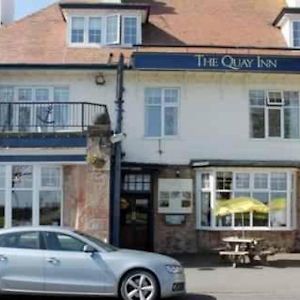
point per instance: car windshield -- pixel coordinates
(105, 246)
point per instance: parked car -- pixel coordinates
(59, 261)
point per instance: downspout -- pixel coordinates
(116, 192)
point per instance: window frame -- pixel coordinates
(267, 108)
(290, 192)
(138, 30)
(163, 106)
(292, 33)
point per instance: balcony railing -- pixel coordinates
(49, 117)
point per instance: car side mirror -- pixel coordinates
(89, 249)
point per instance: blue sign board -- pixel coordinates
(216, 62)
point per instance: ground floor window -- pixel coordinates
(30, 195)
(274, 188)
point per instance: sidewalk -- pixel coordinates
(209, 279)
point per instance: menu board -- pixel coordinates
(175, 196)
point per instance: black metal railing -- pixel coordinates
(50, 116)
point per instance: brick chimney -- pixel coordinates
(7, 11)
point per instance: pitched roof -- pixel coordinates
(41, 37)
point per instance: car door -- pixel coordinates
(68, 269)
(21, 262)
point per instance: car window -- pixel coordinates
(63, 242)
(23, 240)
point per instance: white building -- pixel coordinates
(211, 112)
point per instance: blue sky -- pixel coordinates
(25, 7)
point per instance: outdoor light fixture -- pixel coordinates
(99, 79)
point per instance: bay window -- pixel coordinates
(161, 112)
(30, 195)
(274, 114)
(273, 188)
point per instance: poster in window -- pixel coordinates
(175, 196)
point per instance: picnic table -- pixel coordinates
(239, 249)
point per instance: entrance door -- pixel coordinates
(135, 219)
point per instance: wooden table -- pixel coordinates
(238, 249)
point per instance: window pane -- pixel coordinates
(242, 180)
(291, 123)
(171, 96)
(61, 110)
(2, 208)
(278, 181)
(112, 30)
(153, 121)
(95, 27)
(50, 207)
(278, 211)
(257, 121)
(21, 177)
(205, 182)
(171, 121)
(25, 95)
(62, 242)
(205, 209)
(130, 30)
(242, 220)
(224, 180)
(42, 95)
(223, 221)
(6, 112)
(296, 34)
(77, 30)
(274, 122)
(21, 208)
(257, 98)
(291, 99)
(261, 219)
(153, 96)
(275, 97)
(261, 181)
(2, 177)
(50, 177)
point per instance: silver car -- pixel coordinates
(50, 260)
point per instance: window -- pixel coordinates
(104, 30)
(113, 29)
(50, 196)
(274, 189)
(161, 112)
(274, 114)
(30, 195)
(296, 33)
(6, 95)
(77, 31)
(130, 33)
(23, 240)
(137, 183)
(95, 30)
(62, 242)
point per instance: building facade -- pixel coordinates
(210, 113)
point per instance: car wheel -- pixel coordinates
(139, 285)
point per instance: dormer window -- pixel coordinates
(296, 34)
(105, 30)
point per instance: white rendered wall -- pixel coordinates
(213, 112)
(7, 11)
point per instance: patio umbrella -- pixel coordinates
(277, 204)
(240, 205)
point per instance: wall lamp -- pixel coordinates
(100, 79)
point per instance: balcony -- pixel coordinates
(48, 124)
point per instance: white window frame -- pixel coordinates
(268, 107)
(162, 116)
(138, 30)
(88, 30)
(36, 188)
(71, 27)
(292, 33)
(117, 41)
(291, 202)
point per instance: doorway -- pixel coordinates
(136, 225)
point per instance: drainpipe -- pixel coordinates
(116, 192)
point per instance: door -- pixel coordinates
(70, 270)
(135, 217)
(21, 262)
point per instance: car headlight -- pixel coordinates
(174, 269)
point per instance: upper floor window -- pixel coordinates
(105, 30)
(161, 112)
(296, 33)
(274, 114)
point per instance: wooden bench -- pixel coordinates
(235, 256)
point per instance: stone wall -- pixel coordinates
(174, 238)
(86, 188)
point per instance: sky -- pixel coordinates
(26, 7)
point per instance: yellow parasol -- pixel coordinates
(277, 204)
